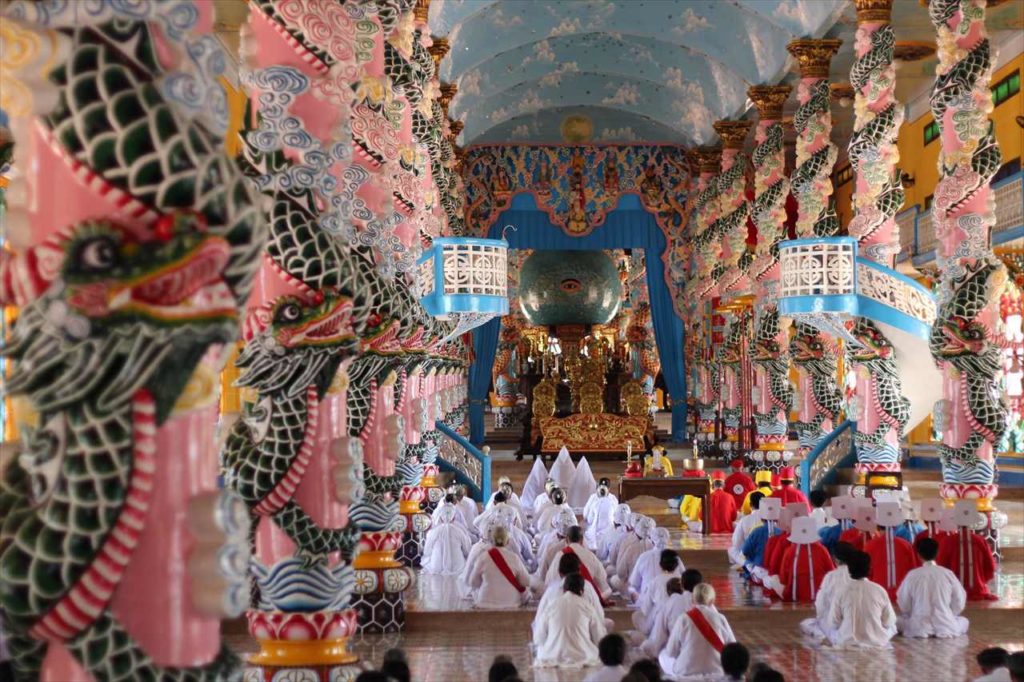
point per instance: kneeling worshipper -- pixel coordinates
(744, 527)
(467, 505)
(567, 564)
(630, 550)
(818, 627)
(459, 518)
(843, 510)
(655, 594)
(447, 546)
(612, 652)
(763, 480)
(864, 526)
(646, 567)
(891, 557)
(558, 503)
(582, 486)
(695, 645)
(804, 564)
(739, 484)
(554, 534)
(861, 614)
(476, 552)
(624, 540)
(722, 509)
(770, 510)
(499, 507)
(777, 544)
(967, 554)
(598, 512)
(591, 568)
(499, 576)
(534, 485)
(542, 500)
(931, 598)
(607, 540)
(931, 516)
(511, 499)
(567, 635)
(788, 492)
(503, 514)
(680, 600)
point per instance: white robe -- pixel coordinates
(502, 513)
(607, 541)
(493, 590)
(567, 637)
(598, 514)
(582, 485)
(666, 616)
(551, 594)
(478, 549)
(688, 654)
(563, 469)
(820, 517)
(446, 549)
(534, 483)
(515, 501)
(548, 515)
(997, 675)
(643, 617)
(862, 616)
(469, 509)
(625, 560)
(740, 532)
(460, 518)
(607, 674)
(833, 581)
(590, 560)
(646, 569)
(931, 599)
(547, 556)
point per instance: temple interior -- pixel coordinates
(501, 340)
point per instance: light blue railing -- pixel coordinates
(471, 467)
(835, 451)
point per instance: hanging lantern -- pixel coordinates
(464, 279)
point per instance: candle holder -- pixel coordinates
(633, 467)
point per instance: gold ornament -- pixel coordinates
(814, 55)
(769, 100)
(733, 133)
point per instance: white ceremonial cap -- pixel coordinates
(797, 509)
(842, 507)
(888, 514)
(864, 519)
(804, 532)
(965, 513)
(947, 523)
(931, 510)
(770, 509)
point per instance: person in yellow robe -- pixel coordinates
(763, 480)
(666, 465)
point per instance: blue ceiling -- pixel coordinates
(652, 71)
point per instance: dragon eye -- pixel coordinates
(289, 312)
(97, 255)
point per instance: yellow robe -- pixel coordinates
(690, 509)
(666, 465)
(766, 491)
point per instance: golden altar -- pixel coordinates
(599, 432)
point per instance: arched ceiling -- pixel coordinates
(653, 71)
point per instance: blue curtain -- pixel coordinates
(629, 226)
(485, 346)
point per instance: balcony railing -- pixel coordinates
(835, 451)
(471, 466)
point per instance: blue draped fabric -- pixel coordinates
(485, 346)
(629, 226)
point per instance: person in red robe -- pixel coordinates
(891, 557)
(967, 554)
(931, 515)
(863, 527)
(804, 564)
(723, 506)
(788, 492)
(739, 483)
(777, 545)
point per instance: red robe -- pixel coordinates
(774, 549)
(937, 535)
(968, 555)
(723, 512)
(891, 559)
(738, 484)
(789, 493)
(801, 570)
(855, 537)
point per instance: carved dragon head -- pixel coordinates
(959, 336)
(807, 344)
(873, 344)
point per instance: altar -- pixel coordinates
(670, 487)
(594, 433)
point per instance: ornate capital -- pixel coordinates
(709, 159)
(422, 11)
(814, 55)
(438, 50)
(448, 91)
(733, 133)
(769, 100)
(456, 127)
(873, 11)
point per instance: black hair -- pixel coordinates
(499, 497)
(674, 586)
(502, 669)
(1015, 664)
(647, 667)
(927, 548)
(842, 552)
(764, 484)
(669, 560)
(691, 578)
(817, 498)
(605, 481)
(396, 670)
(755, 499)
(612, 649)
(735, 659)
(992, 658)
(767, 675)
(569, 563)
(394, 654)
(558, 496)
(859, 565)
(574, 534)
(450, 498)
(371, 676)
(573, 583)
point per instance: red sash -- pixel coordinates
(502, 565)
(585, 572)
(705, 629)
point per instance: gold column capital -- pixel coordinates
(769, 100)
(733, 133)
(438, 49)
(814, 55)
(873, 11)
(709, 159)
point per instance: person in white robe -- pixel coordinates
(646, 567)
(460, 519)
(501, 514)
(688, 653)
(468, 506)
(500, 508)
(598, 512)
(541, 502)
(582, 486)
(931, 598)
(534, 484)
(563, 470)
(566, 564)
(505, 486)
(568, 635)
(629, 553)
(478, 550)
(643, 617)
(861, 615)
(550, 511)
(818, 627)
(611, 536)
(447, 544)
(743, 528)
(627, 538)
(553, 544)
(594, 568)
(495, 589)
(670, 610)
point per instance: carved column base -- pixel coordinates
(416, 525)
(381, 581)
(873, 474)
(301, 647)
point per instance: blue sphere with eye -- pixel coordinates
(569, 287)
